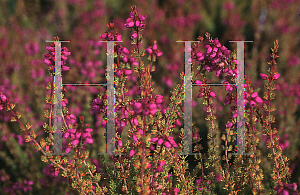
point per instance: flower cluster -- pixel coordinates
(168, 141)
(135, 21)
(153, 51)
(286, 189)
(253, 99)
(111, 35)
(77, 136)
(146, 162)
(49, 58)
(3, 100)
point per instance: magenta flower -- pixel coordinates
(159, 99)
(276, 76)
(263, 76)
(131, 153)
(133, 36)
(75, 142)
(177, 122)
(212, 94)
(160, 141)
(149, 50)
(142, 18)
(167, 144)
(229, 125)
(134, 138)
(120, 143)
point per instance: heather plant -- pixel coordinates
(23, 77)
(149, 160)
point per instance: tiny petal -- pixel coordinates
(212, 94)
(177, 122)
(137, 105)
(259, 100)
(133, 36)
(152, 106)
(142, 18)
(159, 99)
(47, 62)
(65, 68)
(134, 138)
(252, 103)
(149, 50)
(78, 134)
(131, 153)
(159, 169)
(159, 53)
(229, 125)
(71, 130)
(160, 141)
(120, 143)
(263, 76)
(66, 135)
(3, 97)
(137, 23)
(127, 72)
(89, 140)
(276, 76)
(89, 130)
(125, 50)
(200, 95)
(198, 82)
(68, 150)
(254, 95)
(135, 122)
(75, 142)
(154, 139)
(167, 144)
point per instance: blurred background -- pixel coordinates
(25, 25)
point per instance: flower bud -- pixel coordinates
(263, 76)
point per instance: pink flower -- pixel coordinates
(154, 46)
(160, 141)
(142, 18)
(131, 153)
(149, 50)
(159, 99)
(252, 103)
(2, 98)
(259, 100)
(198, 82)
(167, 144)
(276, 76)
(68, 150)
(263, 76)
(154, 139)
(120, 143)
(89, 140)
(75, 142)
(133, 36)
(254, 95)
(229, 125)
(127, 72)
(134, 138)
(212, 94)
(71, 130)
(177, 122)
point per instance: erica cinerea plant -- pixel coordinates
(151, 160)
